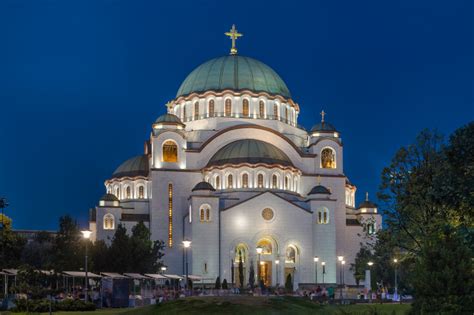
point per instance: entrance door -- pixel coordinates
(266, 272)
(289, 271)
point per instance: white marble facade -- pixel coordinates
(229, 168)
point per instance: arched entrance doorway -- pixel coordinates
(241, 265)
(265, 267)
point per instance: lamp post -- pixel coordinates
(163, 269)
(340, 259)
(316, 259)
(259, 252)
(323, 263)
(277, 263)
(342, 267)
(186, 244)
(370, 264)
(395, 262)
(86, 234)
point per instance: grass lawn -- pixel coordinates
(248, 305)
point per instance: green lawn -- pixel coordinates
(251, 306)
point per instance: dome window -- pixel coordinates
(109, 222)
(261, 109)
(170, 152)
(205, 214)
(228, 107)
(141, 192)
(211, 108)
(184, 113)
(117, 192)
(218, 182)
(260, 181)
(275, 112)
(323, 216)
(286, 182)
(196, 111)
(230, 181)
(328, 158)
(274, 182)
(128, 192)
(245, 108)
(245, 180)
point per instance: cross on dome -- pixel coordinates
(169, 105)
(323, 113)
(233, 34)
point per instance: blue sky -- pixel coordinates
(82, 81)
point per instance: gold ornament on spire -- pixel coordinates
(367, 196)
(169, 105)
(233, 34)
(322, 116)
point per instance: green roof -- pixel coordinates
(235, 73)
(136, 166)
(249, 151)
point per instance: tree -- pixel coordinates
(120, 254)
(241, 270)
(146, 254)
(224, 284)
(251, 275)
(68, 247)
(360, 263)
(12, 244)
(217, 285)
(38, 253)
(100, 256)
(289, 283)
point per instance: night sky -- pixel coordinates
(82, 81)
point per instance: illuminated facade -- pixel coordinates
(229, 168)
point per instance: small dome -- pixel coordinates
(249, 151)
(367, 204)
(203, 186)
(323, 127)
(319, 189)
(234, 73)
(109, 197)
(136, 166)
(168, 119)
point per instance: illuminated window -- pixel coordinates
(275, 111)
(127, 192)
(245, 181)
(184, 112)
(201, 215)
(286, 114)
(240, 253)
(328, 158)
(208, 214)
(260, 180)
(228, 107)
(205, 214)
(211, 108)
(170, 152)
(141, 192)
(286, 182)
(229, 181)
(245, 108)
(261, 109)
(274, 181)
(170, 215)
(323, 216)
(371, 228)
(196, 110)
(109, 222)
(266, 246)
(218, 182)
(117, 192)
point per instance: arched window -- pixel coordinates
(228, 107)
(218, 182)
(290, 255)
(184, 113)
(127, 192)
(323, 216)
(286, 114)
(170, 152)
(117, 192)
(196, 110)
(208, 214)
(275, 111)
(260, 180)
(229, 181)
(328, 158)
(245, 108)
(211, 108)
(266, 246)
(286, 182)
(274, 181)
(205, 214)
(141, 192)
(261, 109)
(371, 228)
(245, 180)
(109, 222)
(170, 215)
(240, 253)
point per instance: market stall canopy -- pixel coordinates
(80, 274)
(176, 277)
(155, 276)
(135, 276)
(113, 275)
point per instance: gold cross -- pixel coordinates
(322, 116)
(233, 34)
(169, 105)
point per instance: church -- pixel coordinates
(228, 168)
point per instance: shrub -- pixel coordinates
(42, 306)
(224, 284)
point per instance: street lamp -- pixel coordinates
(370, 264)
(86, 234)
(163, 269)
(395, 262)
(277, 262)
(342, 267)
(323, 263)
(259, 252)
(186, 244)
(316, 259)
(340, 259)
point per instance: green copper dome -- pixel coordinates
(235, 73)
(136, 166)
(249, 151)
